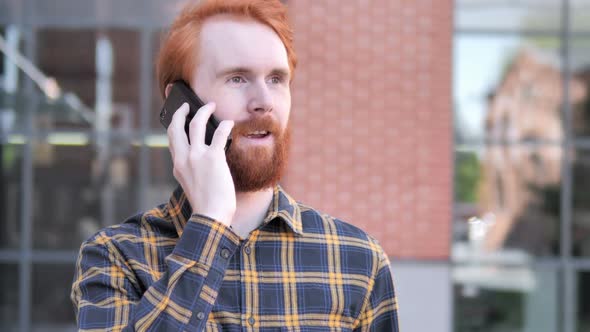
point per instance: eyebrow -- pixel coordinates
(280, 72)
(243, 70)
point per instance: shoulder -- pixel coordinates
(135, 229)
(318, 224)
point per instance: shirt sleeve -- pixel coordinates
(107, 295)
(380, 310)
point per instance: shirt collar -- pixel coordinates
(282, 206)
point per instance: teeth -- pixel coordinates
(258, 133)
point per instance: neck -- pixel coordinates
(251, 208)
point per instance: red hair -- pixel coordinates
(178, 54)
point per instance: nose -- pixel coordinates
(260, 99)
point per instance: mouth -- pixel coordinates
(258, 134)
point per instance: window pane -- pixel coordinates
(494, 298)
(157, 101)
(52, 309)
(103, 12)
(581, 202)
(162, 182)
(13, 100)
(508, 15)
(10, 194)
(583, 301)
(100, 69)
(10, 10)
(106, 12)
(580, 15)
(580, 87)
(514, 190)
(511, 93)
(9, 299)
(80, 189)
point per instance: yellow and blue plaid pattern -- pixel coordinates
(168, 270)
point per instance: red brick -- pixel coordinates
(372, 119)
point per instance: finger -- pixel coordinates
(221, 134)
(176, 136)
(170, 148)
(198, 124)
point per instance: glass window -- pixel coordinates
(579, 15)
(581, 202)
(511, 93)
(10, 194)
(514, 191)
(157, 101)
(495, 298)
(10, 10)
(161, 182)
(508, 15)
(105, 12)
(79, 189)
(52, 308)
(98, 74)
(13, 101)
(9, 299)
(583, 292)
(580, 86)
(164, 12)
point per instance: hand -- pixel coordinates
(200, 169)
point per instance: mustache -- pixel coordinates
(246, 127)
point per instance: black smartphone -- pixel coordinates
(181, 93)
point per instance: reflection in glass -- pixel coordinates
(522, 184)
(579, 15)
(12, 96)
(581, 202)
(9, 300)
(98, 68)
(509, 102)
(157, 100)
(583, 293)
(499, 298)
(467, 179)
(10, 194)
(508, 15)
(51, 305)
(80, 189)
(511, 93)
(579, 62)
(9, 10)
(162, 182)
(516, 189)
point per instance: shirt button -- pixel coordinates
(200, 315)
(251, 320)
(225, 253)
(247, 250)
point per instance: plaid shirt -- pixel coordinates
(168, 270)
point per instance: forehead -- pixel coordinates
(227, 41)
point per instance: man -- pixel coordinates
(231, 250)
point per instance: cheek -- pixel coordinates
(229, 106)
(283, 110)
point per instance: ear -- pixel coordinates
(167, 91)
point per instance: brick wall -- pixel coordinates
(372, 118)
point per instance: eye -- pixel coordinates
(236, 79)
(276, 80)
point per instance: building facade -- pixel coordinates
(409, 119)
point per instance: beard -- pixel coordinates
(255, 168)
